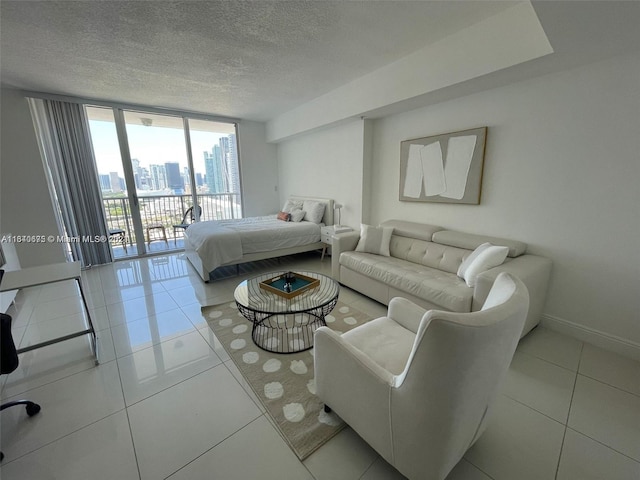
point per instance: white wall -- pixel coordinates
(25, 204)
(259, 170)
(327, 163)
(562, 168)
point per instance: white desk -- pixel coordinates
(57, 272)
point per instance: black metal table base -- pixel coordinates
(286, 332)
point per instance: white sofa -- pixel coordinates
(422, 267)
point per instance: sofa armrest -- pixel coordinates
(342, 242)
(533, 270)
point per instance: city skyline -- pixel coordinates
(155, 150)
(157, 147)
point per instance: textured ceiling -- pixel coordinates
(251, 60)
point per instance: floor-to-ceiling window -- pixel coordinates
(160, 171)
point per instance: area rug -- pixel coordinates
(285, 384)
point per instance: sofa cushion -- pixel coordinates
(426, 253)
(435, 286)
(470, 241)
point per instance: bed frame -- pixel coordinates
(206, 276)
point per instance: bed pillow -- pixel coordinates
(284, 216)
(291, 205)
(297, 215)
(314, 211)
(488, 258)
(374, 240)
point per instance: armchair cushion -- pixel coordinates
(384, 341)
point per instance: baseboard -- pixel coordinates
(595, 337)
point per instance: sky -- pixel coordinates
(150, 145)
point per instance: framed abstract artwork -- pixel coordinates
(443, 168)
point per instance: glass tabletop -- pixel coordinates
(250, 295)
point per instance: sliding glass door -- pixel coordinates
(217, 169)
(111, 176)
(158, 173)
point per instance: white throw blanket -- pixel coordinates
(224, 241)
(226, 247)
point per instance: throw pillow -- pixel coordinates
(374, 240)
(284, 216)
(489, 258)
(297, 215)
(314, 211)
(291, 205)
(469, 260)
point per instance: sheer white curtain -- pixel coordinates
(65, 141)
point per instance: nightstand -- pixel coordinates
(326, 236)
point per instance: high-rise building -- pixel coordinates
(215, 167)
(199, 180)
(233, 167)
(186, 180)
(135, 163)
(105, 182)
(158, 177)
(114, 180)
(145, 179)
(174, 178)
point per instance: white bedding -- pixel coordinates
(223, 241)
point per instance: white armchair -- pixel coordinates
(417, 385)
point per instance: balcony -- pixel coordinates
(164, 211)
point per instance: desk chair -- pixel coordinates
(9, 362)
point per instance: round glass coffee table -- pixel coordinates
(286, 325)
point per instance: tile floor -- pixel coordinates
(166, 401)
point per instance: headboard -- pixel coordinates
(327, 219)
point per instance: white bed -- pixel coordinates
(213, 244)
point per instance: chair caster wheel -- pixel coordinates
(32, 409)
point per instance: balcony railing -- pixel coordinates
(169, 210)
